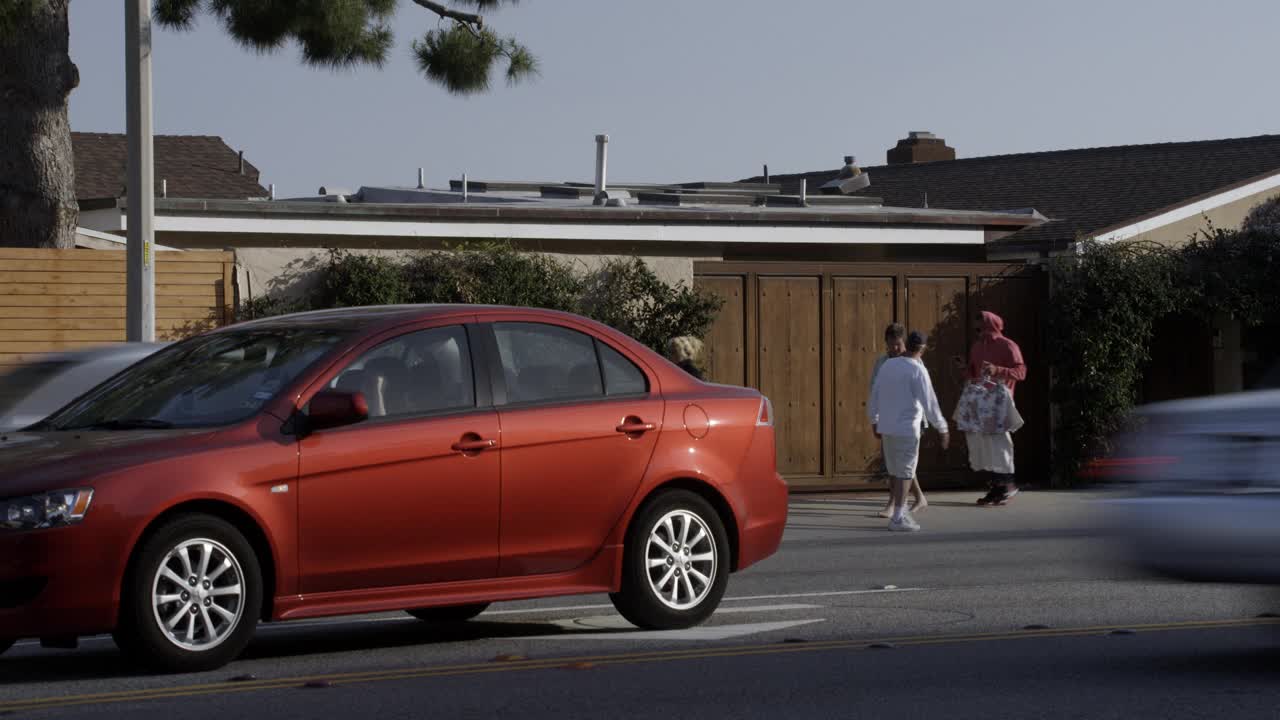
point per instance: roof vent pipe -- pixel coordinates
(804, 192)
(602, 165)
(766, 173)
(271, 191)
(465, 192)
(421, 177)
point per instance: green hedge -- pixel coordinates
(623, 293)
(1107, 300)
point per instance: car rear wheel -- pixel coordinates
(193, 597)
(676, 563)
(452, 613)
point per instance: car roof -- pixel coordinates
(373, 317)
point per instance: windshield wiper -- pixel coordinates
(125, 424)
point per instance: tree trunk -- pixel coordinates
(37, 168)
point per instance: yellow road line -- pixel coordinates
(616, 659)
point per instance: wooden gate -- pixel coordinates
(808, 337)
(53, 300)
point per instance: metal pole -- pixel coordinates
(140, 296)
(602, 163)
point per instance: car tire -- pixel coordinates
(5, 645)
(671, 580)
(172, 623)
(449, 614)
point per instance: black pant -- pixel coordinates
(1000, 479)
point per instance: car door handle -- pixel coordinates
(473, 445)
(635, 427)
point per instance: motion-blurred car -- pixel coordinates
(432, 459)
(1203, 477)
(32, 391)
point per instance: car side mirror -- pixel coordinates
(336, 408)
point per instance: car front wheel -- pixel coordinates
(193, 597)
(452, 613)
(676, 565)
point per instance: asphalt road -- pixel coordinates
(1013, 612)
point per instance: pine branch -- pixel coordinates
(469, 19)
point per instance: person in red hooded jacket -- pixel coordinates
(996, 357)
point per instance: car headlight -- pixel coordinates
(46, 510)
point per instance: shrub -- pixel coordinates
(625, 294)
(350, 280)
(268, 306)
(1264, 218)
(1106, 302)
(492, 274)
(629, 296)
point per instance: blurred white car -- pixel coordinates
(31, 392)
(1204, 476)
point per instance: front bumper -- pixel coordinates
(57, 583)
(1207, 537)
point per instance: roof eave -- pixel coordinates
(698, 216)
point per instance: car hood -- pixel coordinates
(38, 461)
(1251, 414)
(1242, 402)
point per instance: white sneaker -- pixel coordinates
(906, 523)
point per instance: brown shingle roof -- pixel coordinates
(194, 166)
(1082, 191)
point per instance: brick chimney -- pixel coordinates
(920, 146)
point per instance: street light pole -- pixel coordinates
(140, 296)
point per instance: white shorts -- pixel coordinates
(901, 453)
(990, 452)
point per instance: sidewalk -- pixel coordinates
(950, 511)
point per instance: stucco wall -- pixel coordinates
(290, 272)
(1228, 216)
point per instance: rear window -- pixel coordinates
(621, 376)
(547, 363)
(21, 382)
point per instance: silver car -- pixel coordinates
(1203, 477)
(31, 392)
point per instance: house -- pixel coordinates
(1163, 193)
(808, 281)
(186, 166)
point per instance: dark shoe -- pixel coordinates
(1007, 495)
(989, 498)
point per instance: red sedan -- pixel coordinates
(432, 459)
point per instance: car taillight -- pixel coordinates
(765, 418)
(1126, 466)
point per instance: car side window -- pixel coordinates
(419, 373)
(545, 363)
(621, 376)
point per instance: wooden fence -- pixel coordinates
(53, 300)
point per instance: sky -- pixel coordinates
(711, 89)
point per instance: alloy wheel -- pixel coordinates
(680, 560)
(198, 594)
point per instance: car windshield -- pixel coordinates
(207, 381)
(20, 382)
